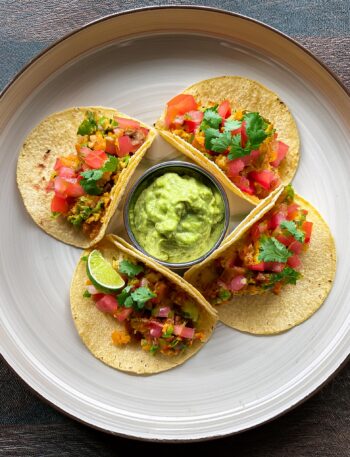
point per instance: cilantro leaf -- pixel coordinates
(221, 143)
(232, 124)
(210, 135)
(89, 181)
(292, 229)
(236, 149)
(111, 164)
(255, 128)
(129, 302)
(141, 296)
(89, 125)
(129, 268)
(124, 295)
(286, 276)
(211, 119)
(271, 250)
(86, 294)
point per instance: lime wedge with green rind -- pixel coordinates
(101, 273)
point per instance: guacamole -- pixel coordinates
(177, 218)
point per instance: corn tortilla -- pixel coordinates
(56, 136)
(245, 94)
(95, 328)
(267, 313)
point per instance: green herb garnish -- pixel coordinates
(292, 229)
(89, 124)
(129, 268)
(271, 250)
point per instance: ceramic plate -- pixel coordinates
(136, 62)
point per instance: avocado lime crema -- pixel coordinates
(177, 218)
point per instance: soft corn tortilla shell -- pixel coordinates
(248, 95)
(268, 313)
(95, 328)
(56, 136)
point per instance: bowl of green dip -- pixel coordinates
(177, 213)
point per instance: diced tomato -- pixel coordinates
(66, 172)
(296, 247)
(281, 152)
(97, 297)
(59, 204)
(124, 123)
(107, 304)
(181, 104)
(257, 267)
(74, 189)
(110, 147)
(125, 146)
(294, 261)
(122, 314)
(60, 187)
(244, 136)
(192, 120)
(144, 131)
(276, 219)
(264, 178)
(286, 240)
(243, 184)
(276, 267)
(307, 228)
(224, 109)
(58, 164)
(234, 167)
(238, 283)
(95, 159)
(258, 229)
(292, 211)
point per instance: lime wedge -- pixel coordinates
(101, 273)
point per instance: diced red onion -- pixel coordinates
(238, 283)
(163, 311)
(144, 282)
(183, 331)
(92, 290)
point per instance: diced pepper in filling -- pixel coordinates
(155, 313)
(242, 144)
(268, 257)
(82, 181)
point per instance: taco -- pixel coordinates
(274, 271)
(151, 322)
(74, 167)
(238, 130)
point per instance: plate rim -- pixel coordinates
(209, 9)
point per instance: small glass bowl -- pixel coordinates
(182, 168)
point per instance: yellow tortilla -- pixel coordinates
(245, 94)
(267, 313)
(95, 328)
(56, 136)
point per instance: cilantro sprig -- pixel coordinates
(89, 124)
(136, 299)
(211, 118)
(217, 141)
(271, 250)
(292, 229)
(130, 269)
(286, 276)
(91, 177)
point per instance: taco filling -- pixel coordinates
(156, 313)
(82, 181)
(268, 256)
(241, 143)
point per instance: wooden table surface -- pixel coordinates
(28, 426)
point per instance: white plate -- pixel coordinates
(237, 381)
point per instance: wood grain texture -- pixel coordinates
(28, 426)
